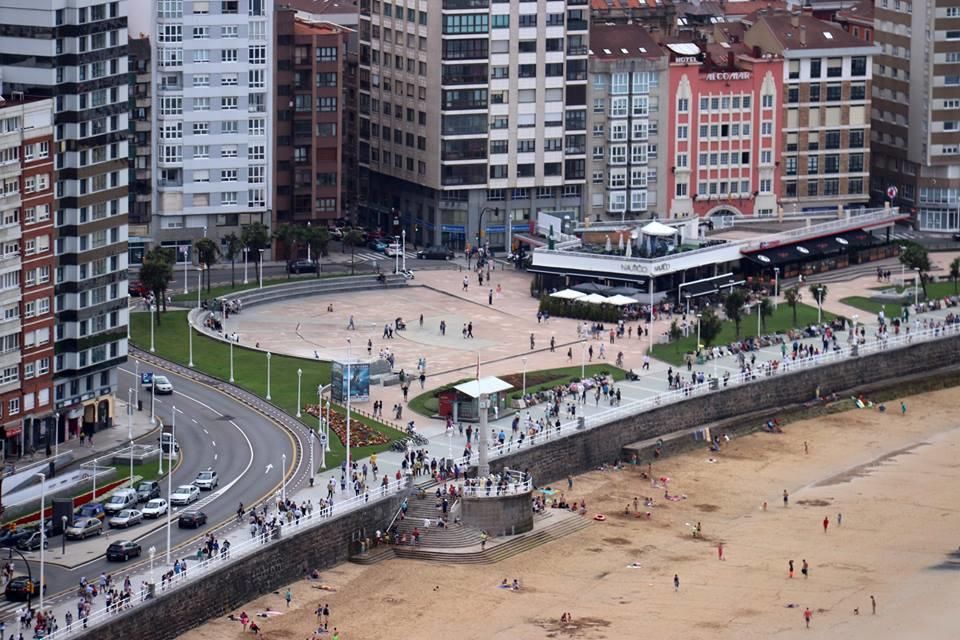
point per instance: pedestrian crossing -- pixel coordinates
(905, 235)
(372, 256)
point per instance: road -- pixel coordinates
(213, 431)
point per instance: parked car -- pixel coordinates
(336, 233)
(162, 386)
(120, 500)
(137, 289)
(148, 490)
(192, 519)
(185, 494)
(11, 537)
(91, 510)
(155, 508)
(22, 588)
(83, 528)
(435, 253)
(207, 480)
(32, 542)
(377, 245)
(126, 518)
(302, 266)
(123, 550)
(392, 251)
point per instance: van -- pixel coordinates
(120, 500)
(166, 441)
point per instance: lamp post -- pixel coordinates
(349, 359)
(190, 339)
(776, 287)
(199, 283)
(130, 432)
(283, 479)
(94, 499)
(687, 296)
(136, 388)
(496, 212)
(758, 317)
(308, 242)
(450, 442)
(152, 552)
(63, 535)
(56, 435)
(173, 441)
(152, 343)
(186, 264)
(299, 378)
(153, 402)
(524, 393)
(245, 251)
(699, 315)
(403, 248)
(268, 375)
(650, 347)
(396, 257)
(583, 358)
(231, 360)
(260, 265)
(916, 289)
(43, 529)
(903, 269)
(131, 463)
(819, 304)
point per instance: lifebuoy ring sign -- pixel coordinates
(600, 517)
(892, 192)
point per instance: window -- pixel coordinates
(229, 31)
(327, 103)
(815, 70)
(228, 198)
(228, 175)
(858, 65)
(682, 131)
(229, 55)
(834, 67)
(683, 105)
(327, 54)
(201, 80)
(201, 128)
(229, 126)
(228, 103)
(257, 54)
(201, 56)
(201, 104)
(229, 79)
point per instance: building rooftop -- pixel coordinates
(861, 13)
(795, 31)
(320, 6)
(735, 11)
(618, 41)
(614, 5)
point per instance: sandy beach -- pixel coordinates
(892, 477)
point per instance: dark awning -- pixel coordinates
(708, 286)
(591, 287)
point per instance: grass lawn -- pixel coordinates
(873, 306)
(934, 289)
(780, 322)
(146, 471)
(223, 289)
(427, 404)
(250, 372)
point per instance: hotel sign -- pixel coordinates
(734, 75)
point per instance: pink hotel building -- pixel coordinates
(725, 130)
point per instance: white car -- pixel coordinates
(155, 508)
(185, 494)
(392, 251)
(126, 518)
(162, 385)
(207, 480)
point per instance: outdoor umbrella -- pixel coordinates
(608, 247)
(623, 291)
(590, 287)
(594, 298)
(621, 301)
(567, 294)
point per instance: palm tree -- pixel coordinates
(156, 272)
(710, 326)
(916, 258)
(255, 236)
(819, 293)
(353, 238)
(766, 310)
(207, 253)
(733, 306)
(955, 272)
(234, 248)
(792, 297)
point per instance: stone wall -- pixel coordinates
(504, 515)
(230, 587)
(581, 452)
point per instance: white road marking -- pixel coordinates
(214, 442)
(206, 432)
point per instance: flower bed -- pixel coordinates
(361, 434)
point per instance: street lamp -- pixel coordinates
(173, 442)
(245, 251)
(94, 499)
(63, 535)
(299, 378)
(524, 393)
(186, 264)
(283, 479)
(396, 257)
(903, 269)
(152, 551)
(190, 339)
(231, 360)
(130, 431)
(699, 315)
(819, 304)
(136, 388)
(496, 212)
(776, 287)
(153, 402)
(403, 248)
(151, 312)
(260, 265)
(583, 358)
(308, 242)
(131, 463)
(43, 529)
(349, 359)
(268, 375)
(916, 290)
(199, 283)
(687, 296)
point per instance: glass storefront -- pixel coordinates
(939, 219)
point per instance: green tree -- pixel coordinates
(733, 306)
(710, 327)
(317, 238)
(675, 334)
(156, 272)
(353, 238)
(234, 249)
(289, 236)
(207, 252)
(256, 236)
(955, 272)
(818, 292)
(792, 297)
(916, 258)
(766, 310)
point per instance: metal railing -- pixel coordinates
(859, 217)
(239, 549)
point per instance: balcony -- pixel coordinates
(578, 50)
(576, 25)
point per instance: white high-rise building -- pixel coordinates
(213, 113)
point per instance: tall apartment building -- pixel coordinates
(76, 53)
(724, 138)
(916, 102)
(827, 74)
(628, 83)
(141, 147)
(315, 172)
(475, 109)
(213, 119)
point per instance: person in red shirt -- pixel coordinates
(807, 614)
(826, 523)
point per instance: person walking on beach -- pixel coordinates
(873, 604)
(720, 551)
(839, 519)
(288, 596)
(676, 582)
(826, 523)
(805, 569)
(903, 408)
(807, 614)
(786, 498)
(790, 568)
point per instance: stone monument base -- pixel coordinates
(503, 515)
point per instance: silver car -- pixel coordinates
(126, 518)
(84, 528)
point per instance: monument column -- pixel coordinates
(483, 467)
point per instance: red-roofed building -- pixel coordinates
(723, 131)
(857, 20)
(656, 15)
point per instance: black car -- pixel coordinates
(192, 519)
(302, 266)
(123, 550)
(956, 236)
(21, 588)
(435, 253)
(32, 542)
(148, 490)
(11, 537)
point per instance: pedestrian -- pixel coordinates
(423, 379)
(903, 408)
(570, 354)
(720, 551)
(369, 346)
(288, 596)
(569, 482)
(483, 540)
(873, 605)
(490, 297)
(786, 498)
(807, 614)
(806, 447)
(466, 283)
(826, 523)
(421, 320)
(470, 329)
(839, 519)
(790, 568)
(676, 582)
(553, 343)
(805, 569)
(532, 342)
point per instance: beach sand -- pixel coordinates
(893, 478)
